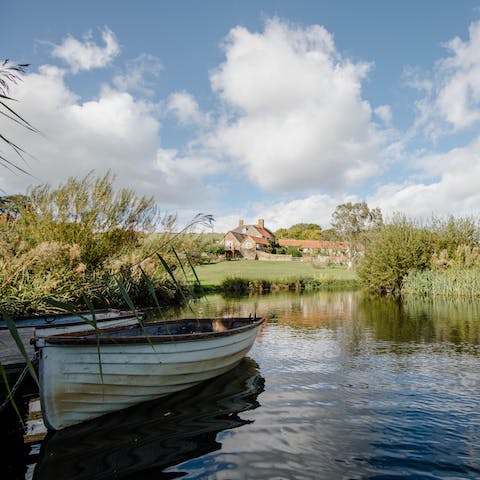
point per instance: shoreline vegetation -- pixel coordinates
(436, 258)
(252, 276)
(77, 242)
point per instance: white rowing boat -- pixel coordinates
(56, 324)
(86, 375)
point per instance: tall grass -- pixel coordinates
(71, 242)
(460, 282)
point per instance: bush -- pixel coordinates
(392, 252)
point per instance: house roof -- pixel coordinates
(239, 236)
(261, 240)
(321, 244)
(264, 232)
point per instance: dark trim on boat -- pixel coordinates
(136, 334)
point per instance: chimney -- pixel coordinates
(240, 223)
(261, 223)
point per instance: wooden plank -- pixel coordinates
(35, 430)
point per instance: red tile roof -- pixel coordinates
(320, 244)
(264, 232)
(262, 241)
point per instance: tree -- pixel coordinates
(272, 246)
(10, 75)
(300, 231)
(352, 221)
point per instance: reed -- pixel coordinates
(454, 282)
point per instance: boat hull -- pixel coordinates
(83, 381)
(59, 324)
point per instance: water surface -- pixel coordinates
(337, 386)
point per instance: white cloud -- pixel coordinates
(298, 120)
(184, 106)
(86, 54)
(452, 101)
(459, 96)
(114, 131)
(454, 191)
(311, 209)
(140, 75)
(384, 112)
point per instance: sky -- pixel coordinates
(279, 110)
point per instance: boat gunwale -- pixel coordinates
(102, 336)
(21, 321)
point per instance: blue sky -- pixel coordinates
(248, 109)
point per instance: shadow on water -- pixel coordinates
(142, 441)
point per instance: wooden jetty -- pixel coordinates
(35, 432)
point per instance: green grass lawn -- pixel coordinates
(214, 274)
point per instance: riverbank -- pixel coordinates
(244, 276)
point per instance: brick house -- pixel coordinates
(245, 240)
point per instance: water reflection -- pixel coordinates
(141, 442)
(358, 315)
(358, 388)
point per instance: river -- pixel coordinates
(337, 386)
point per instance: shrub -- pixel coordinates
(392, 252)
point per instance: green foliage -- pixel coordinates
(300, 231)
(235, 285)
(331, 235)
(203, 248)
(351, 219)
(242, 286)
(88, 213)
(71, 242)
(451, 233)
(392, 252)
(273, 247)
(439, 258)
(294, 252)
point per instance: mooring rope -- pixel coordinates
(17, 384)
